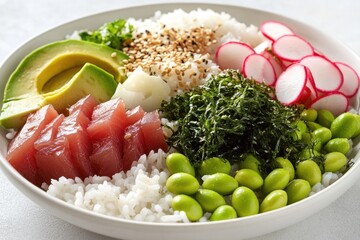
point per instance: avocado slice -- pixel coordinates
(60, 73)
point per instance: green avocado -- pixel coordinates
(61, 73)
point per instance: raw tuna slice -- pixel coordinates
(106, 132)
(54, 161)
(107, 156)
(48, 134)
(134, 115)
(86, 105)
(133, 146)
(21, 152)
(153, 135)
(73, 128)
(107, 117)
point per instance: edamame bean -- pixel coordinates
(214, 165)
(185, 183)
(301, 128)
(209, 199)
(308, 153)
(334, 161)
(250, 162)
(344, 126)
(297, 190)
(245, 202)
(357, 132)
(224, 212)
(221, 183)
(309, 171)
(189, 205)
(274, 200)
(325, 118)
(338, 145)
(313, 125)
(323, 134)
(177, 162)
(309, 115)
(276, 179)
(287, 165)
(249, 178)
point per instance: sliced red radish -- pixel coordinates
(292, 48)
(311, 85)
(336, 103)
(327, 76)
(274, 62)
(291, 84)
(231, 55)
(350, 85)
(258, 67)
(273, 30)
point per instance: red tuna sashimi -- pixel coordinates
(134, 115)
(21, 151)
(107, 119)
(55, 161)
(73, 128)
(86, 105)
(106, 131)
(153, 135)
(133, 146)
(49, 133)
(106, 156)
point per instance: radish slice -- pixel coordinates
(231, 55)
(259, 68)
(273, 30)
(336, 103)
(291, 84)
(310, 84)
(292, 48)
(274, 62)
(327, 76)
(350, 85)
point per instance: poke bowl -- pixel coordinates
(74, 199)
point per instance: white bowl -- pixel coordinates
(233, 229)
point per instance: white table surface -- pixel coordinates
(20, 20)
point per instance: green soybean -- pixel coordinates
(177, 162)
(249, 178)
(287, 165)
(334, 161)
(274, 200)
(189, 205)
(245, 202)
(323, 134)
(224, 212)
(325, 118)
(185, 183)
(250, 162)
(297, 190)
(215, 165)
(338, 145)
(357, 131)
(344, 126)
(309, 115)
(221, 183)
(309, 171)
(276, 179)
(209, 199)
(308, 153)
(313, 125)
